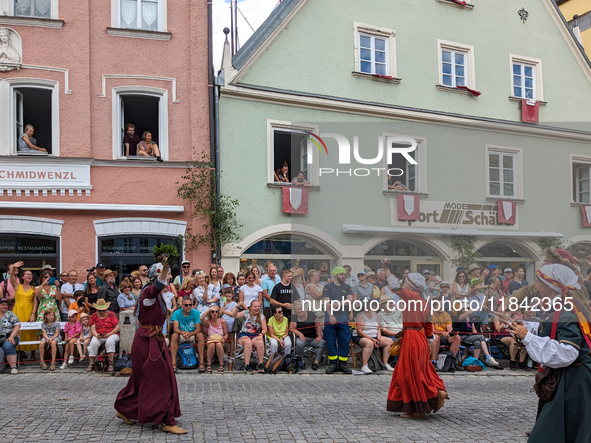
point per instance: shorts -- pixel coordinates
(184, 340)
(473, 340)
(356, 339)
(246, 334)
(444, 341)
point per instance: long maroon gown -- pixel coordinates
(151, 394)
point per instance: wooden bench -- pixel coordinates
(36, 326)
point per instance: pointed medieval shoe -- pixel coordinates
(441, 397)
(174, 429)
(127, 421)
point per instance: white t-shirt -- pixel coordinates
(250, 294)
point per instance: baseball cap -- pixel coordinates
(100, 265)
(186, 262)
(508, 270)
(491, 267)
(72, 312)
(4, 300)
(427, 271)
(362, 272)
(226, 286)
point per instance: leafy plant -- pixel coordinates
(216, 211)
(465, 251)
(166, 250)
(550, 242)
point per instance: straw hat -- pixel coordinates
(102, 305)
(84, 314)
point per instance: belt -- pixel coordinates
(155, 330)
(412, 328)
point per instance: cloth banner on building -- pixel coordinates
(507, 212)
(530, 111)
(474, 92)
(408, 207)
(586, 210)
(295, 200)
(460, 2)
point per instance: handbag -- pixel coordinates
(546, 383)
(396, 345)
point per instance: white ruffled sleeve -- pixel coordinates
(550, 352)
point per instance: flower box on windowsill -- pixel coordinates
(518, 100)
(467, 6)
(139, 33)
(283, 185)
(31, 21)
(380, 78)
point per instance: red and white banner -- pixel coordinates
(295, 200)
(530, 111)
(408, 207)
(586, 210)
(507, 212)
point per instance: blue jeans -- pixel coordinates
(9, 348)
(337, 339)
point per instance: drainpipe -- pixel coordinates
(213, 150)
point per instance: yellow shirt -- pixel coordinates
(441, 320)
(279, 329)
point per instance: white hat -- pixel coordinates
(72, 312)
(508, 270)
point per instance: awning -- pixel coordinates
(362, 229)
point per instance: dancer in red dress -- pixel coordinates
(151, 395)
(416, 389)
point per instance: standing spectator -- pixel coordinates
(368, 335)
(105, 331)
(50, 330)
(85, 336)
(314, 293)
(430, 283)
(283, 294)
(307, 330)
(25, 304)
(130, 140)
(186, 272)
(282, 174)
(257, 279)
(215, 284)
(297, 282)
(187, 288)
(7, 290)
(201, 292)
(136, 287)
(372, 279)
(494, 291)
(240, 281)
(229, 279)
(92, 290)
(362, 290)
(125, 299)
(494, 271)
(507, 279)
(109, 291)
(250, 292)
(99, 272)
(72, 329)
(67, 290)
(350, 279)
(221, 273)
(10, 326)
(460, 289)
(217, 333)
(49, 297)
(143, 270)
(518, 280)
(278, 331)
(254, 328)
(78, 305)
(336, 330)
(381, 278)
(267, 285)
(323, 269)
(229, 305)
(187, 329)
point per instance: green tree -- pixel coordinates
(465, 251)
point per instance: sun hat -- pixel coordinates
(102, 305)
(84, 314)
(44, 267)
(444, 283)
(362, 272)
(226, 286)
(472, 267)
(384, 299)
(338, 270)
(72, 312)
(370, 274)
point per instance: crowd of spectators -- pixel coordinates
(260, 309)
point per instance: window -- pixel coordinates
(32, 8)
(456, 65)
(526, 78)
(582, 182)
(291, 145)
(124, 254)
(147, 109)
(504, 173)
(147, 15)
(375, 51)
(409, 175)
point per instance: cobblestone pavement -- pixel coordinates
(72, 406)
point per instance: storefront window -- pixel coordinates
(507, 255)
(34, 251)
(403, 255)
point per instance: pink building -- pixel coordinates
(79, 71)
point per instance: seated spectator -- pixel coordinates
(187, 329)
(85, 335)
(50, 330)
(501, 320)
(187, 288)
(390, 319)
(396, 184)
(130, 140)
(445, 298)
(109, 291)
(251, 335)
(278, 331)
(443, 335)
(282, 175)
(368, 335)
(477, 294)
(307, 329)
(470, 336)
(105, 331)
(72, 329)
(27, 143)
(147, 147)
(126, 300)
(217, 334)
(9, 338)
(250, 292)
(299, 180)
(78, 305)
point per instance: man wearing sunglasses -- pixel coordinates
(68, 288)
(187, 329)
(186, 272)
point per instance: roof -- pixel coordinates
(262, 34)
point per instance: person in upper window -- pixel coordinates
(282, 175)
(396, 185)
(299, 180)
(130, 140)
(27, 143)
(147, 147)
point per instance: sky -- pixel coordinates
(255, 11)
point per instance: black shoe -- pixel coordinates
(261, 368)
(344, 368)
(253, 367)
(332, 368)
(523, 366)
(159, 159)
(513, 366)
(314, 366)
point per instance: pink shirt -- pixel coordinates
(72, 329)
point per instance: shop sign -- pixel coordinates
(453, 214)
(49, 176)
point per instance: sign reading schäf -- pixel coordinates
(453, 214)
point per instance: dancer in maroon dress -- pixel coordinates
(151, 395)
(416, 389)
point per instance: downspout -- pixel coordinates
(213, 151)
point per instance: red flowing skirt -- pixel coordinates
(415, 383)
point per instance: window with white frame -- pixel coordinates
(456, 65)
(375, 50)
(147, 15)
(403, 173)
(147, 110)
(582, 182)
(292, 147)
(34, 8)
(526, 78)
(504, 172)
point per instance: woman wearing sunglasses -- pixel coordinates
(217, 333)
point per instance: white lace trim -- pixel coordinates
(149, 301)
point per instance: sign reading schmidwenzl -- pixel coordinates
(452, 214)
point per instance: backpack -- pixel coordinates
(124, 361)
(375, 362)
(292, 363)
(449, 364)
(274, 363)
(186, 357)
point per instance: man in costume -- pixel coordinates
(151, 395)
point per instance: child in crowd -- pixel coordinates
(85, 335)
(72, 329)
(50, 329)
(78, 305)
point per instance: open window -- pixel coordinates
(143, 112)
(33, 106)
(410, 176)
